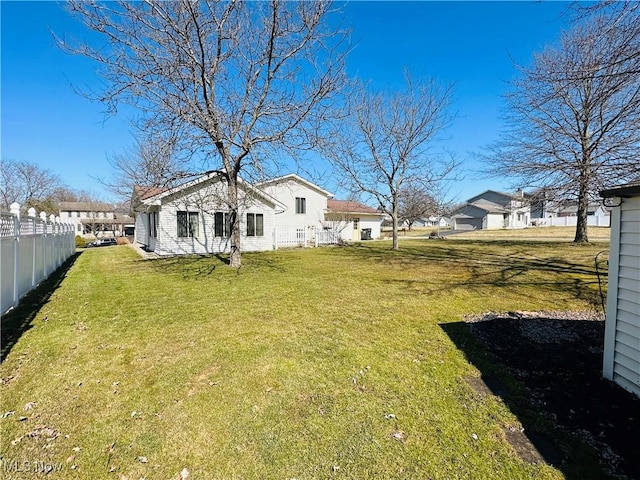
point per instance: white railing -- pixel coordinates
(31, 248)
(326, 237)
(287, 237)
(292, 237)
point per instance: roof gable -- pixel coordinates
(295, 178)
(494, 196)
(202, 182)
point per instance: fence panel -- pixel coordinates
(326, 237)
(287, 237)
(592, 221)
(31, 249)
(290, 237)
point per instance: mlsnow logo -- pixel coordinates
(14, 465)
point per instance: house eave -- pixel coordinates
(625, 191)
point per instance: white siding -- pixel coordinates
(622, 334)
(141, 232)
(286, 192)
(344, 229)
(206, 200)
(373, 222)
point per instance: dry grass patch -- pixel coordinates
(545, 234)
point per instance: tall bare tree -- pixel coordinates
(28, 184)
(574, 114)
(228, 80)
(383, 145)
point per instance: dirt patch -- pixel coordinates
(547, 366)
(203, 379)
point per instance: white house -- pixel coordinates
(621, 362)
(95, 218)
(194, 218)
(352, 220)
(492, 210)
(547, 212)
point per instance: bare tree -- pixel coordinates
(228, 81)
(415, 203)
(28, 184)
(574, 114)
(383, 144)
(150, 162)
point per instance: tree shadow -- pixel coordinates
(548, 371)
(481, 267)
(18, 320)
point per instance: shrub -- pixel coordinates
(80, 242)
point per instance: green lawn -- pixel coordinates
(315, 363)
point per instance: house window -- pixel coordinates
(255, 224)
(187, 224)
(153, 224)
(222, 224)
(301, 205)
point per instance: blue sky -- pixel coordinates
(472, 44)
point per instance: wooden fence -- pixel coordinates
(31, 249)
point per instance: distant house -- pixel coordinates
(492, 210)
(426, 222)
(548, 212)
(621, 361)
(194, 218)
(95, 218)
(353, 220)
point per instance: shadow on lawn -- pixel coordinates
(19, 319)
(548, 371)
(485, 264)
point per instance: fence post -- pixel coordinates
(315, 243)
(275, 238)
(32, 219)
(15, 210)
(45, 269)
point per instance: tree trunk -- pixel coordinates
(235, 260)
(583, 205)
(394, 219)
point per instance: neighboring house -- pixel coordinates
(621, 361)
(193, 218)
(352, 220)
(93, 218)
(492, 210)
(570, 209)
(441, 222)
(549, 212)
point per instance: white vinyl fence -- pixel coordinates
(592, 221)
(290, 237)
(31, 248)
